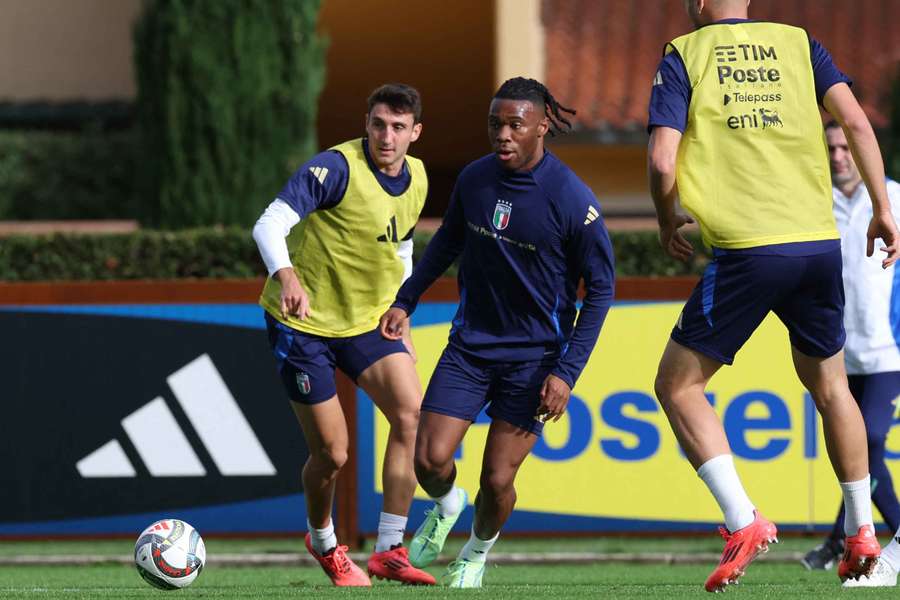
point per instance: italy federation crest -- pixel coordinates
(501, 214)
(303, 383)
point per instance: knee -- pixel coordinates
(430, 463)
(330, 458)
(404, 424)
(666, 388)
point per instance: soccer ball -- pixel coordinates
(169, 554)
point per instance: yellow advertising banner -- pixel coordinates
(613, 455)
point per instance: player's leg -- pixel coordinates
(506, 448)
(392, 383)
(880, 391)
(515, 398)
(455, 395)
(394, 387)
(325, 431)
(823, 556)
(306, 367)
(877, 395)
(813, 314)
(731, 300)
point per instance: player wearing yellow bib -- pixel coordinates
(734, 122)
(337, 243)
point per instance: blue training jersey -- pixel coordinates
(526, 239)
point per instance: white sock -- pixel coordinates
(390, 531)
(322, 540)
(858, 502)
(449, 504)
(476, 549)
(721, 478)
(890, 554)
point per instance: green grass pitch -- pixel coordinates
(764, 579)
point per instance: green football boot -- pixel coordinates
(462, 573)
(428, 541)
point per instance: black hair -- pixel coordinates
(522, 88)
(832, 124)
(401, 98)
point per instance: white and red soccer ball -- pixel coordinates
(169, 554)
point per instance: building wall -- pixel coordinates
(444, 49)
(66, 49)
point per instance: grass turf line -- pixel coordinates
(549, 582)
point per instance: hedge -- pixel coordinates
(227, 98)
(231, 252)
(67, 175)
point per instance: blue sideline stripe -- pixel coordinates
(235, 315)
(279, 514)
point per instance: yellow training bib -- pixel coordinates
(346, 256)
(753, 164)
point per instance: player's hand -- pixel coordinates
(391, 323)
(554, 399)
(671, 240)
(882, 226)
(294, 301)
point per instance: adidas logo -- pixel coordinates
(658, 80)
(592, 215)
(162, 445)
(319, 173)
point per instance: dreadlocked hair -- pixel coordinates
(522, 88)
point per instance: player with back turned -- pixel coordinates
(734, 120)
(527, 230)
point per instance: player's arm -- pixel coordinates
(320, 183)
(670, 98)
(591, 257)
(442, 250)
(840, 102)
(661, 156)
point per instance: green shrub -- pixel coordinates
(67, 175)
(231, 252)
(227, 95)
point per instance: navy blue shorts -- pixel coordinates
(462, 384)
(737, 291)
(306, 362)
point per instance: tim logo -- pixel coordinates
(501, 214)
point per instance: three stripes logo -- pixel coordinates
(733, 552)
(592, 215)
(319, 173)
(390, 234)
(164, 448)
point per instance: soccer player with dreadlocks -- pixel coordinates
(528, 230)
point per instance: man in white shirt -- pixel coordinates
(871, 352)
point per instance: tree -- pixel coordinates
(226, 106)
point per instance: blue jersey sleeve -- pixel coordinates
(446, 244)
(319, 183)
(671, 95)
(825, 72)
(590, 257)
